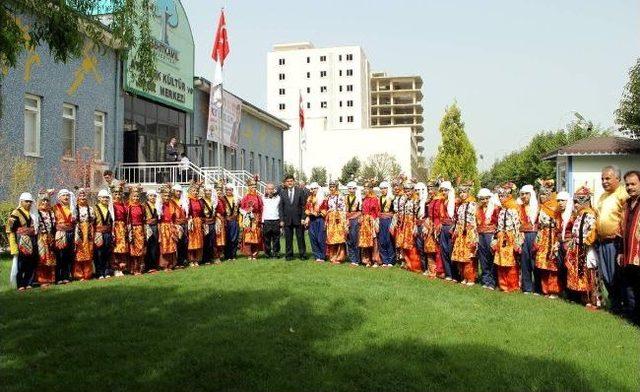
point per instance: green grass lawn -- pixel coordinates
(301, 326)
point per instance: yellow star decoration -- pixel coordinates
(32, 56)
(88, 65)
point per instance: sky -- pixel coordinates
(514, 67)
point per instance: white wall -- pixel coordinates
(587, 169)
(333, 148)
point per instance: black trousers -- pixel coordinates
(153, 249)
(271, 235)
(183, 246)
(65, 258)
(103, 255)
(27, 266)
(209, 244)
(288, 240)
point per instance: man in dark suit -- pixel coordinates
(292, 204)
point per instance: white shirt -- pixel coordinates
(271, 208)
(184, 163)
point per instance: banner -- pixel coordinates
(232, 107)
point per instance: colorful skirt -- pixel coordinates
(120, 242)
(84, 242)
(546, 250)
(336, 228)
(137, 247)
(168, 238)
(505, 250)
(464, 247)
(367, 232)
(196, 234)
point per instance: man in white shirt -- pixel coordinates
(271, 222)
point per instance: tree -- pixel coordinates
(319, 175)
(289, 169)
(456, 158)
(628, 114)
(65, 26)
(421, 168)
(350, 170)
(525, 166)
(380, 167)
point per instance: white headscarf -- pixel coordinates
(491, 205)
(421, 188)
(568, 210)
(532, 211)
(451, 198)
(107, 193)
(214, 195)
(72, 198)
(184, 202)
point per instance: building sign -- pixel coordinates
(173, 43)
(230, 121)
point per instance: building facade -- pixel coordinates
(396, 101)
(333, 88)
(582, 162)
(260, 141)
(91, 106)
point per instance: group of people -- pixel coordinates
(532, 239)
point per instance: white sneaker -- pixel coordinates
(100, 277)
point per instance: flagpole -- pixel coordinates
(220, 162)
(301, 129)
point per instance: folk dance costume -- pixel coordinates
(487, 222)
(354, 208)
(151, 219)
(21, 231)
(506, 244)
(547, 244)
(168, 229)
(565, 216)
(631, 259)
(251, 209)
(581, 258)
(421, 191)
(336, 224)
(180, 208)
(446, 215)
(120, 232)
(64, 237)
(221, 226)
(405, 227)
(46, 269)
(369, 226)
(103, 237)
(209, 204)
(195, 225)
(385, 241)
(316, 211)
(530, 281)
(84, 237)
(136, 228)
(398, 205)
(232, 211)
(431, 229)
(465, 236)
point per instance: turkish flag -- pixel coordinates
(221, 44)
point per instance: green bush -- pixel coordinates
(5, 209)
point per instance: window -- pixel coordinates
(308, 90)
(323, 89)
(323, 74)
(323, 58)
(340, 88)
(98, 138)
(251, 162)
(349, 57)
(340, 103)
(242, 158)
(308, 105)
(308, 60)
(308, 75)
(68, 130)
(260, 172)
(281, 91)
(349, 87)
(340, 118)
(349, 72)
(281, 106)
(340, 73)
(349, 103)
(323, 104)
(281, 61)
(339, 57)
(349, 118)
(31, 125)
(281, 76)
(274, 174)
